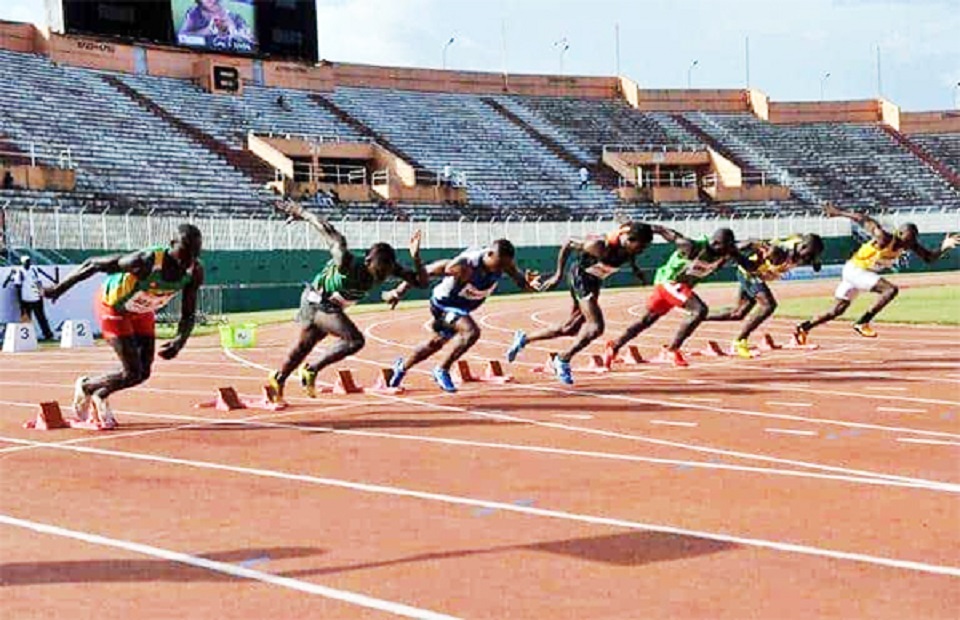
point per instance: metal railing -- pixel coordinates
(62, 156)
(109, 231)
(653, 148)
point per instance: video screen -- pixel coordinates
(216, 25)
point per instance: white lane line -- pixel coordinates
(886, 389)
(784, 403)
(900, 410)
(699, 399)
(674, 423)
(225, 568)
(573, 416)
(458, 500)
(788, 431)
(932, 442)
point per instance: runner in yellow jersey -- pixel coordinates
(862, 271)
(768, 261)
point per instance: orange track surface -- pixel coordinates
(796, 485)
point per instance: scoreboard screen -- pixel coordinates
(282, 29)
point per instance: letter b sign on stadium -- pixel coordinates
(225, 79)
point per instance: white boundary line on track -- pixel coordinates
(225, 568)
(787, 431)
(787, 547)
(929, 441)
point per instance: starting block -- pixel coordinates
(228, 400)
(595, 366)
(547, 366)
(769, 344)
(48, 418)
(492, 373)
(795, 344)
(632, 357)
(382, 386)
(713, 349)
(19, 337)
(345, 383)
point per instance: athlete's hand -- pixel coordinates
(51, 292)
(293, 210)
(533, 280)
(950, 242)
(391, 297)
(415, 243)
(170, 349)
(550, 283)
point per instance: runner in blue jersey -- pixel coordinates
(467, 281)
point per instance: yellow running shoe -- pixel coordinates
(865, 330)
(308, 379)
(742, 348)
(276, 388)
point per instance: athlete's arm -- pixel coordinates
(871, 225)
(418, 276)
(637, 273)
(188, 316)
(137, 263)
(333, 237)
(594, 247)
(528, 281)
(667, 234)
(434, 269)
(930, 256)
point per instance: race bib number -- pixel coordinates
(475, 294)
(144, 302)
(601, 270)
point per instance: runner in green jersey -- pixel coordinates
(344, 280)
(138, 285)
(693, 260)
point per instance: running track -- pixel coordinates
(800, 484)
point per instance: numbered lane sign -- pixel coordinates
(76, 334)
(19, 337)
(245, 336)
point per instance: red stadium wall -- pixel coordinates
(868, 111)
(943, 121)
(18, 37)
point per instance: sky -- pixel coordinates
(793, 44)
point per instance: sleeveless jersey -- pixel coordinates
(125, 292)
(614, 256)
(769, 271)
(343, 287)
(467, 296)
(680, 268)
(872, 257)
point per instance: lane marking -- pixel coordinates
(225, 568)
(699, 399)
(786, 547)
(788, 431)
(932, 442)
(886, 389)
(783, 403)
(674, 423)
(573, 416)
(900, 410)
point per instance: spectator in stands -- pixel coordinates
(446, 175)
(26, 278)
(7, 180)
(282, 103)
(584, 177)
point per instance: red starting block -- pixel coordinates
(795, 344)
(547, 366)
(595, 365)
(632, 357)
(769, 344)
(382, 385)
(345, 383)
(713, 349)
(228, 400)
(492, 373)
(48, 418)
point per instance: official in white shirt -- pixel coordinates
(26, 278)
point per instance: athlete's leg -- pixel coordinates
(635, 330)
(696, 313)
(467, 335)
(768, 305)
(570, 327)
(736, 313)
(131, 373)
(424, 351)
(888, 291)
(310, 335)
(349, 338)
(591, 326)
(838, 309)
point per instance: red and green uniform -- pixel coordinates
(128, 303)
(675, 279)
(337, 287)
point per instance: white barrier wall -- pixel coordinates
(77, 304)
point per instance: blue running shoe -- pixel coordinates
(519, 341)
(562, 370)
(399, 372)
(444, 380)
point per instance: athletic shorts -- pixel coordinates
(667, 296)
(444, 319)
(310, 306)
(114, 324)
(583, 285)
(752, 287)
(854, 280)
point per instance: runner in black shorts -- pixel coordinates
(598, 258)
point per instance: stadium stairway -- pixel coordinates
(939, 167)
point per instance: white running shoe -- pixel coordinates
(104, 413)
(81, 400)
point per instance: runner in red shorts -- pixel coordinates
(138, 285)
(693, 260)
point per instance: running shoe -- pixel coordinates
(801, 334)
(399, 372)
(308, 379)
(609, 355)
(865, 330)
(444, 380)
(742, 348)
(519, 342)
(104, 414)
(81, 400)
(562, 370)
(678, 359)
(275, 392)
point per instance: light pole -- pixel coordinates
(956, 96)
(690, 69)
(823, 84)
(563, 45)
(445, 48)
